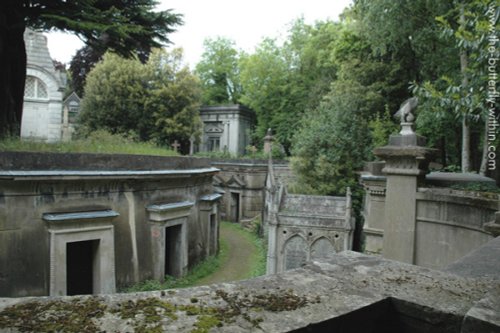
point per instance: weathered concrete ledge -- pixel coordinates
(349, 293)
(25, 161)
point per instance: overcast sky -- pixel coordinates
(246, 22)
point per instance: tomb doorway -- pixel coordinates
(80, 267)
(173, 249)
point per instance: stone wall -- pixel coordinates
(126, 210)
(242, 183)
(348, 293)
(448, 223)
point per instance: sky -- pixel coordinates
(245, 22)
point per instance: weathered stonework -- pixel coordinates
(408, 218)
(348, 293)
(301, 228)
(226, 128)
(242, 185)
(129, 218)
(42, 108)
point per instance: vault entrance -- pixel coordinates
(173, 248)
(235, 207)
(80, 267)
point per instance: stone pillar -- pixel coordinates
(191, 145)
(406, 161)
(494, 226)
(268, 141)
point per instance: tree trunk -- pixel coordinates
(465, 144)
(465, 120)
(484, 158)
(12, 67)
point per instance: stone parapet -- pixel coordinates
(350, 292)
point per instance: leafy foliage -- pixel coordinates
(219, 72)
(333, 144)
(156, 101)
(99, 141)
(128, 27)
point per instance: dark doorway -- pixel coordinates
(80, 258)
(235, 207)
(173, 246)
(213, 234)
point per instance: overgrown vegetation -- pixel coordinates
(477, 187)
(97, 142)
(156, 101)
(258, 259)
(212, 264)
(199, 271)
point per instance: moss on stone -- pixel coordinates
(147, 314)
(54, 316)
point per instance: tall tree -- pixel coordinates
(80, 66)
(156, 101)
(462, 91)
(126, 26)
(219, 72)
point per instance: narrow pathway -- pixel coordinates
(240, 260)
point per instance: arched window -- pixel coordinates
(35, 88)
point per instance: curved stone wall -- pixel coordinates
(108, 203)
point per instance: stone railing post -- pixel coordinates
(268, 141)
(406, 162)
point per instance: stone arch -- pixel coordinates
(42, 110)
(322, 248)
(295, 252)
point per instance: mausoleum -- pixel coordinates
(92, 223)
(226, 128)
(43, 92)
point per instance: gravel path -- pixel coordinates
(240, 259)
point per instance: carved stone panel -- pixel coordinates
(322, 248)
(295, 252)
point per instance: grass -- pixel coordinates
(211, 264)
(199, 271)
(258, 259)
(97, 142)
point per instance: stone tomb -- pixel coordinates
(226, 128)
(43, 93)
(301, 228)
(242, 184)
(91, 223)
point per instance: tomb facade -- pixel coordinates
(101, 221)
(226, 128)
(302, 228)
(43, 92)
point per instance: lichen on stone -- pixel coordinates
(54, 316)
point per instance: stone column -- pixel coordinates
(406, 161)
(268, 141)
(494, 226)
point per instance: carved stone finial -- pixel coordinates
(268, 139)
(407, 116)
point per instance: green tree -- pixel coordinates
(156, 101)
(173, 99)
(282, 82)
(334, 143)
(127, 27)
(115, 96)
(462, 91)
(219, 72)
